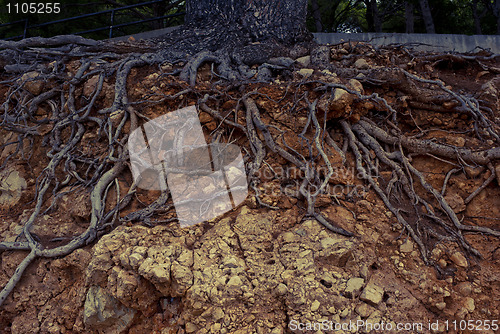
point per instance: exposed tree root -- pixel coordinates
(70, 117)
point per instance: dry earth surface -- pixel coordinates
(256, 269)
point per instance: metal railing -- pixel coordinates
(111, 27)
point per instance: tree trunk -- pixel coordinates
(372, 16)
(409, 18)
(317, 16)
(377, 22)
(283, 21)
(496, 11)
(427, 16)
(477, 20)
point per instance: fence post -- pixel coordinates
(112, 23)
(25, 28)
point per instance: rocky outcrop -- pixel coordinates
(238, 269)
(12, 185)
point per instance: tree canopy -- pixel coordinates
(449, 16)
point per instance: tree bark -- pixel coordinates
(317, 16)
(283, 21)
(427, 16)
(496, 11)
(409, 18)
(477, 20)
(372, 16)
(377, 22)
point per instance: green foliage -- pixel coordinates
(338, 15)
(450, 16)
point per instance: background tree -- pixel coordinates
(337, 15)
(477, 17)
(409, 17)
(455, 16)
(372, 16)
(427, 16)
(316, 14)
(494, 6)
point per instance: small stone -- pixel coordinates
(264, 74)
(191, 328)
(33, 82)
(329, 241)
(354, 286)
(460, 141)
(301, 121)
(230, 262)
(361, 64)
(234, 282)
(304, 61)
(364, 310)
(363, 272)
(306, 72)
(105, 313)
(336, 105)
(440, 306)
(345, 312)
(281, 289)
(391, 301)
(475, 172)
(315, 305)
(372, 294)
(407, 247)
(289, 237)
(437, 121)
(217, 314)
(328, 278)
(329, 73)
(457, 141)
(459, 259)
(456, 202)
(461, 313)
(12, 185)
(357, 86)
(442, 263)
(469, 304)
(465, 288)
(437, 253)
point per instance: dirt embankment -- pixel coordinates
(259, 270)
